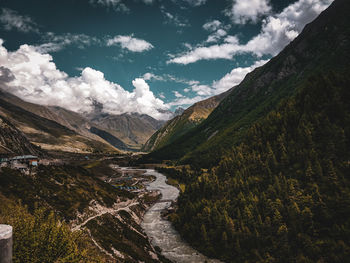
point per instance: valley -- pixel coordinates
(255, 169)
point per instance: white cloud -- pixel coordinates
(276, 32)
(54, 43)
(151, 76)
(212, 25)
(177, 94)
(216, 36)
(173, 19)
(202, 90)
(243, 11)
(148, 2)
(205, 91)
(117, 5)
(12, 20)
(130, 43)
(217, 29)
(36, 79)
(185, 101)
(193, 3)
(234, 77)
(196, 2)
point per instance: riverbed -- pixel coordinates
(161, 232)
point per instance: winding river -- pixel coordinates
(161, 232)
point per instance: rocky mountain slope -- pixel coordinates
(132, 128)
(323, 45)
(13, 141)
(186, 120)
(125, 132)
(47, 133)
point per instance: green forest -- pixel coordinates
(282, 194)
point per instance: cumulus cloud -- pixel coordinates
(151, 76)
(234, 77)
(10, 20)
(203, 92)
(148, 2)
(192, 3)
(177, 94)
(117, 5)
(185, 101)
(276, 32)
(36, 79)
(196, 2)
(216, 36)
(217, 29)
(243, 11)
(130, 43)
(212, 25)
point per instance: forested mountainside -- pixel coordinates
(268, 174)
(182, 123)
(283, 193)
(323, 45)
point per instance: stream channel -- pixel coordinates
(161, 232)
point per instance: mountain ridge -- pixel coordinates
(180, 124)
(328, 35)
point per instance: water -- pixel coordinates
(161, 232)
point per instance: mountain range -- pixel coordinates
(55, 128)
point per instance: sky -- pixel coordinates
(144, 56)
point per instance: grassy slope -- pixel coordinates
(181, 124)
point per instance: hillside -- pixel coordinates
(182, 123)
(49, 134)
(14, 142)
(132, 128)
(283, 193)
(323, 45)
(107, 217)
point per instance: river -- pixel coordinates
(161, 232)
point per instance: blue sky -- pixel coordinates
(143, 56)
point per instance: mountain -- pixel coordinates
(278, 187)
(46, 132)
(109, 138)
(125, 131)
(183, 122)
(133, 129)
(72, 120)
(14, 142)
(323, 45)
